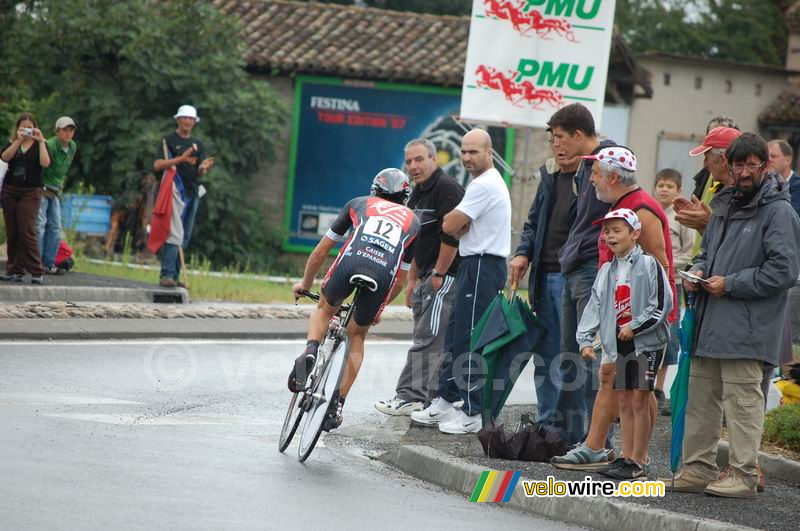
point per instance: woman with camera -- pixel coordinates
(20, 198)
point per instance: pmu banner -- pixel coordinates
(528, 58)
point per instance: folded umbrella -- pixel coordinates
(679, 392)
(506, 355)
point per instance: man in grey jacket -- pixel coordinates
(749, 258)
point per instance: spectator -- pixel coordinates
(542, 236)
(749, 256)
(629, 307)
(187, 153)
(614, 179)
(21, 196)
(574, 135)
(482, 222)
(435, 264)
(695, 213)
(62, 150)
(780, 162)
(667, 189)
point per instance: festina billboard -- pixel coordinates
(528, 58)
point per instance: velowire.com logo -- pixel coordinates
(495, 486)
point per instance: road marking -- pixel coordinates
(127, 419)
(187, 342)
(43, 398)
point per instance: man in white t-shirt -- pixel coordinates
(482, 222)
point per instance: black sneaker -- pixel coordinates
(628, 471)
(13, 277)
(37, 279)
(335, 417)
(616, 463)
(661, 399)
(300, 371)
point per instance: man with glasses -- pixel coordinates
(749, 259)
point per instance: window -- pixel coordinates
(698, 83)
(728, 87)
(758, 89)
(667, 79)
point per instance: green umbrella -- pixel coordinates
(505, 336)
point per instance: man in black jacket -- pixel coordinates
(549, 219)
(430, 291)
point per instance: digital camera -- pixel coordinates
(27, 131)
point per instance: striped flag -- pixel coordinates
(495, 486)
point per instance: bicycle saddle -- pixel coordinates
(364, 282)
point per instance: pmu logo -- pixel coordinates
(524, 19)
(520, 94)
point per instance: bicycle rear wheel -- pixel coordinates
(293, 417)
(324, 390)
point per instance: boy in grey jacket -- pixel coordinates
(631, 299)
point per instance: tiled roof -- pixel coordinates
(375, 44)
(348, 41)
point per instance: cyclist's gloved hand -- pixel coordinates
(298, 290)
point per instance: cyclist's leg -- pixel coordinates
(357, 334)
(317, 327)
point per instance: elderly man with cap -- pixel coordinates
(48, 225)
(615, 183)
(187, 154)
(696, 213)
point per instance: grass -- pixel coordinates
(782, 426)
(203, 287)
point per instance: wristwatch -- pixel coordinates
(437, 274)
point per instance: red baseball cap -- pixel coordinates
(719, 137)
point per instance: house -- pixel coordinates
(334, 65)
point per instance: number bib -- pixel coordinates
(383, 228)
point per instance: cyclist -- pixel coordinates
(380, 246)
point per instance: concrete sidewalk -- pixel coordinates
(456, 462)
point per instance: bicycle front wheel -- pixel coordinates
(324, 391)
(292, 420)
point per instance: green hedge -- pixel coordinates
(782, 427)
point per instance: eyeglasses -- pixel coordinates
(739, 168)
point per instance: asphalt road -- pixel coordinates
(169, 435)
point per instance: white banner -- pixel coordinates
(528, 58)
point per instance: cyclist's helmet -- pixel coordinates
(391, 184)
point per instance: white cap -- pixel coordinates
(64, 121)
(622, 213)
(187, 111)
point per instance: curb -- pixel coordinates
(774, 466)
(436, 467)
(83, 335)
(29, 293)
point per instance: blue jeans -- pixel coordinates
(170, 258)
(547, 304)
(580, 378)
(48, 227)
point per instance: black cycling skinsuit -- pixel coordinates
(381, 244)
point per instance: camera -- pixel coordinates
(27, 131)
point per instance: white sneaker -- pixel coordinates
(398, 407)
(440, 410)
(461, 424)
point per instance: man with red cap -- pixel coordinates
(696, 213)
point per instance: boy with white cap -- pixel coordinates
(187, 154)
(631, 299)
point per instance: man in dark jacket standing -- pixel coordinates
(574, 136)
(543, 235)
(749, 258)
(430, 290)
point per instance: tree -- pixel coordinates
(750, 31)
(121, 69)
